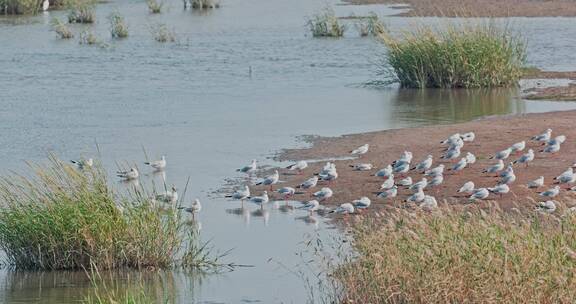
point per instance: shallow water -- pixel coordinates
(197, 102)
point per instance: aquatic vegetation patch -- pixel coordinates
(89, 38)
(466, 56)
(81, 11)
(162, 33)
(20, 7)
(326, 24)
(155, 6)
(370, 26)
(61, 29)
(449, 256)
(118, 26)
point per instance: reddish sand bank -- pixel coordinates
(492, 135)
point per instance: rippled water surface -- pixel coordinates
(240, 83)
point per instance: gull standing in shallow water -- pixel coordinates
(360, 150)
(241, 194)
(157, 165)
(537, 183)
(270, 180)
(249, 168)
(195, 208)
(310, 206)
(83, 163)
(287, 192)
(131, 174)
(260, 200)
(170, 196)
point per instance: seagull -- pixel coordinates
(195, 208)
(574, 165)
(157, 164)
(519, 146)
(468, 137)
(439, 170)
(345, 208)
(360, 150)
(551, 149)
(405, 181)
(45, 5)
(573, 189)
(250, 168)
(479, 194)
(310, 206)
(509, 171)
(128, 175)
(458, 143)
(83, 163)
(425, 164)
(436, 180)
(301, 165)
(451, 154)
(286, 191)
(552, 192)
(362, 167)
(392, 192)
(468, 187)
(565, 175)
(544, 136)
(500, 189)
(329, 175)
(547, 206)
(566, 179)
(260, 200)
(241, 194)
(537, 183)
(270, 179)
(388, 184)
(508, 178)
(385, 172)
(405, 157)
(429, 202)
(558, 140)
(526, 158)
(362, 203)
(403, 168)
(460, 165)
(419, 186)
(309, 183)
(170, 196)
(416, 197)
(495, 168)
(502, 154)
(323, 194)
(470, 158)
(451, 139)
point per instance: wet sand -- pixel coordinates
(492, 135)
(484, 8)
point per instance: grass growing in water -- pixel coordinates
(370, 26)
(88, 38)
(81, 11)
(18, 7)
(456, 257)
(118, 27)
(469, 56)
(326, 24)
(63, 218)
(162, 33)
(61, 29)
(154, 6)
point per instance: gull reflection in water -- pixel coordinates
(284, 207)
(309, 220)
(263, 213)
(243, 212)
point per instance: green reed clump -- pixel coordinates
(20, 7)
(162, 33)
(326, 24)
(204, 4)
(370, 26)
(81, 11)
(155, 6)
(63, 218)
(61, 29)
(470, 56)
(89, 38)
(118, 26)
(461, 257)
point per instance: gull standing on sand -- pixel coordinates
(460, 165)
(402, 168)
(508, 178)
(425, 164)
(500, 189)
(83, 163)
(310, 206)
(131, 174)
(260, 200)
(309, 183)
(470, 158)
(451, 154)
(526, 158)
(405, 181)
(390, 193)
(451, 139)
(249, 168)
(468, 137)
(360, 150)
(552, 192)
(537, 183)
(388, 184)
(479, 194)
(385, 172)
(301, 165)
(495, 168)
(551, 149)
(558, 140)
(566, 175)
(157, 165)
(420, 185)
(519, 146)
(439, 170)
(324, 194)
(286, 192)
(544, 136)
(270, 179)
(436, 180)
(362, 167)
(429, 202)
(416, 197)
(169, 196)
(345, 208)
(566, 178)
(362, 203)
(468, 187)
(547, 206)
(504, 154)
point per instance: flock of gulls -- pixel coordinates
(396, 177)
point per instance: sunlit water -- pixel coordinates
(242, 82)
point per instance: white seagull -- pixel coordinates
(439, 170)
(468, 187)
(544, 136)
(436, 180)
(470, 158)
(83, 163)
(429, 202)
(405, 181)
(310, 206)
(425, 164)
(460, 165)
(451, 154)
(551, 149)
(270, 179)
(157, 164)
(362, 203)
(301, 165)
(170, 196)
(194, 208)
(504, 154)
(128, 175)
(323, 194)
(468, 137)
(558, 140)
(388, 184)
(360, 150)
(495, 168)
(451, 139)
(547, 206)
(500, 189)
(392, 192)
(345, 208)
(417, 197)
(479, 194)
(241, 194)
(525, 158)
(420, 185)
(385, 172)
(309, 183)
(362, 167)
(45, 5)
(286, 192)
(519, 146)
(537, 183)
(260, 200)
(249, 168)
(552, 192)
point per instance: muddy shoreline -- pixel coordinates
(493, 134)
(475, 8)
